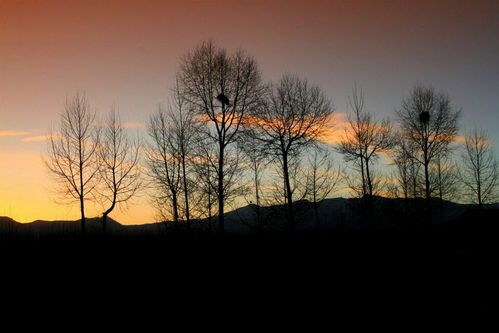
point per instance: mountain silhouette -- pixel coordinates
(337, 214)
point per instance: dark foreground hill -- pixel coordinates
(382, 263)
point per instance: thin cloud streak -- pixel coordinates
(8, 134)
(133, 125)
(37, 138)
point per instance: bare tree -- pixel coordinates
(165, 166)
(223, 88)
(256, 157)
(204, 164)
(407, 175)
(443, 176)
(293, 116)
(205, 180)
(185, 129)
(479, 170)
(430, 123)
(72, 152)
(297, 181)
(322, 180)
(118, 165)
(364, 140)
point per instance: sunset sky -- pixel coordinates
(127, 52)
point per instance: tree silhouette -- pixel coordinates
(165, 165)
(256, 157)
(444, 178)
(118, 165)
(72, 158)
(430, 123)
(322, 180)
(292, 116)
(205, 179)
(223, 88)
(479, 170)
(185, 130)
(365, 138)
(407, 175)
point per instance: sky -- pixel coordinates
(127, 53)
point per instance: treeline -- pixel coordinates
(224, 129)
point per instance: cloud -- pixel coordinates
(337, 127)
(460, 139)
(340, 117)
(36, 138)
(6, 134)
(132, 125)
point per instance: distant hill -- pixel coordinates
(7, 224)
(4, 220)
(349, 214)
(40, 228)
(338, 214)
(334, 214)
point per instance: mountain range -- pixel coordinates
(332, 215)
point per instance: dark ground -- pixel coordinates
(448, 270)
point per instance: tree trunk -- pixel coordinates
(427, 188)
(104, 223)
(479, 187)
(82, 199)
(426, 166)
(209, 200)
(427, 182)
(220, 194)
(369, 200)
(414, 180)
(369, 182)
(186, 194)
(364, 190)
(175, 208)
(209, 217)
(113, 204)
(82, 212)
(315, 203)
(289, 196)
(406, 186)
(106, 213)
(440, 185)
(257, 199)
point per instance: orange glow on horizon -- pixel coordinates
(127, 52)
(22, 170)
